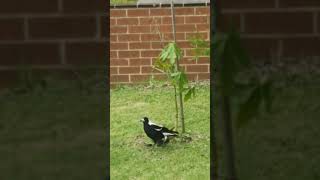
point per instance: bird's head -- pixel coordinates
(144, 120)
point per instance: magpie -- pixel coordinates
(159, 134)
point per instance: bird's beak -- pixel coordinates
(141, 120)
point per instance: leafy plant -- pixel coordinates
(168, 62)
(231, 60)
(200, 46)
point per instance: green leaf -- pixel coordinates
(250, 108)
(164, 66)
(171, 52)
(230, 58)
(190, 93)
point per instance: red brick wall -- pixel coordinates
(137, 36)
(54, 34)
(51, 35)
(282, 28)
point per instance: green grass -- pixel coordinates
(284, 144)
(59, 132)
(53, 134)
(131, 159)
(123, 1)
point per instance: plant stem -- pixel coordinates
(228, 138)
(177, 66)
(181, 112)
(177, 110)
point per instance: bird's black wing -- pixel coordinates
(165, 131)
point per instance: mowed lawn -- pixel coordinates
(132, 159)
(54, 134)
(285, 143)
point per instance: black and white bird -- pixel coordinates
(159, 134)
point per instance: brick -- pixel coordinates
(146, 78)
(150, 37)
(168, 20)
(113, 54)
(104, 25)
(197, 68)
(181, 36)
(119, 62)
(129, 70)
(113, 21)
(169, 36)
(160, 12)
(189, 52)
(301, 47)
(158, 45)
(113, 38)
(150, 53)
(83, 6)
(184, 44)
(127, 21)
(185, 11)
(185, 28)
(299, 4)
(192, 77)
(138, 12)
(260, 48)
(86, 53)
(139, 61)
(11, 29)
(129, 37)
(119, 46)
(31, 6)
(118, 29)
(203, 76)
(129, 54)
(247, 4)
(282, 22)
(139, 45)
(139, 78)
(118, 13)
(62, 27)
(113, 70)
(29, 53)
(161, 29)
(148, 70)
(139, 29)
(149, 20)
(197, 19)
(187, 61)
(119, 78)
(203, 27)
(202, 11)
(203, 60)
(201, 35)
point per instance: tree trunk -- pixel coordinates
(177, 110)
(178, 67)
